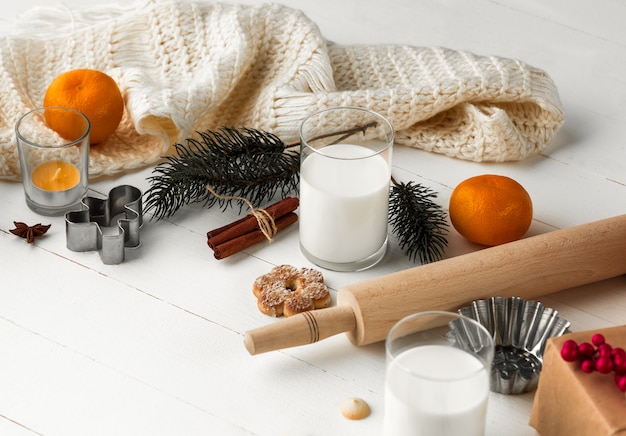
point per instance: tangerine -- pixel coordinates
(91, 92)
(490, 209)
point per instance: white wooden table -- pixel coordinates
(153, 346)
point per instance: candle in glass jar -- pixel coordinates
(344, 194)
(435, 390)
(55, 175)
(54, 169)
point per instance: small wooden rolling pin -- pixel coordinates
(528, 268)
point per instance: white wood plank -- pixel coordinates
(154, 345)
(73, 394)
(9, 427)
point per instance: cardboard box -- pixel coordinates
(571, 402)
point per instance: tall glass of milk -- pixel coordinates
(344, 188)
(437, 377)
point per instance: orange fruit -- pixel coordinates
(490, 209)
(91, 92)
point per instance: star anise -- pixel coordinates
(29, 232)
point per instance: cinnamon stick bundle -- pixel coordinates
(245, 232)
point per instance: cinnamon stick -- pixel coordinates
(249, 223)
(235, 245)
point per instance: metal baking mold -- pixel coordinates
(520, 330)
(91, 229)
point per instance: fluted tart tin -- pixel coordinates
(520, 329)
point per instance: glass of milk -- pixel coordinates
(345, 173)
(437, 376)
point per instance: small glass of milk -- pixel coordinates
(438, 375)
(345, 173)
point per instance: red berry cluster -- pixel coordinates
(597, 356)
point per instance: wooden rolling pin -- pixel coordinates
(528, 268)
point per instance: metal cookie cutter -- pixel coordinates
(83, 228)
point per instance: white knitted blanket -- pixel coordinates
(184, 67)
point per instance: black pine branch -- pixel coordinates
(245, 163)
(418, 222)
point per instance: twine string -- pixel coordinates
(266, 223)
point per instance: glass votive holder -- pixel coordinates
(345, 173)
(54, 162)
(438, 371)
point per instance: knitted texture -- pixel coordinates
(185, 67)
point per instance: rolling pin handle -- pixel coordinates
(301, 329)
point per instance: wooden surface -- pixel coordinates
(154, 346)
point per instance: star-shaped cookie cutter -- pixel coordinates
(84, 228)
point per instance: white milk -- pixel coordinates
(343, 204)
(445, 393)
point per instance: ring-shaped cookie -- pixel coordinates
(287, 290)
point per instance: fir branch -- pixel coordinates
(244, 163)
(417, 221)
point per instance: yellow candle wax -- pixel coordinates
(55, 175)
